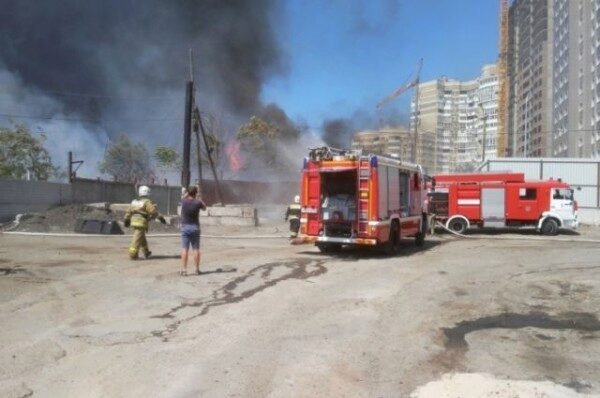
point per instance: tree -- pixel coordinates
(167, 158)
(127, 161)
(260, 138)
(20, 153)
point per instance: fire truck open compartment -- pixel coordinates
(349, 198)
(338, 202)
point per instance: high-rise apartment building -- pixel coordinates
(395, 141)
(487, 94)
(576, 78)
(530, 49)
(453, 117)
(554, 75)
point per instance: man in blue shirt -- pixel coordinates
(190, 228)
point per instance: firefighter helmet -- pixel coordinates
(144, 191)
(297, 199)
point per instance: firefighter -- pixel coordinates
(293, 214)
(137, 216)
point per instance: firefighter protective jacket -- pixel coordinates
(293, 211)
(140, 212)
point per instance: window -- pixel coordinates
(563, 194)
(527, 193)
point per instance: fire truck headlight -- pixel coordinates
(320, 232)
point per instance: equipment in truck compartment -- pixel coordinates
(353, 199)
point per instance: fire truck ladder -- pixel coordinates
(362, 208)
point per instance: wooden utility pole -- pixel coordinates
(210, 159)
(73, 172)
(195, 118)
(187, 135)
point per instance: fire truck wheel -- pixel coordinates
(458, 225)
(549, 227)
(329, 248)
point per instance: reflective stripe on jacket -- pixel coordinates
(293, 211)
(140, 212)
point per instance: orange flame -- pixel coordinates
(234, 157)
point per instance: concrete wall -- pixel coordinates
(37, 196)
(89, 191)
(31, 196)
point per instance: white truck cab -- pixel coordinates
(563, 207)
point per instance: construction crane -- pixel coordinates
(502, 134)
(412, 81)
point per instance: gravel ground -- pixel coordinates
(62, 219)
(508, 315)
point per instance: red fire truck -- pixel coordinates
(502, 200)
(348, 198)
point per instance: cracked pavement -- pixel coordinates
(270, 319)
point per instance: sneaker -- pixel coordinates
(147, 254)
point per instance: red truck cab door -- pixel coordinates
(523, 203)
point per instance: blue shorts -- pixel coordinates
(190, 235)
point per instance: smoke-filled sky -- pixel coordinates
(81, 73)
(87, 71)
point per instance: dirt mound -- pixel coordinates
(63, 219)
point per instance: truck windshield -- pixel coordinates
(563, 193)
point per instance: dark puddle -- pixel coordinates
(218, 271)
(228, 294)
(583, 321)
(578, 386)
(11, 270)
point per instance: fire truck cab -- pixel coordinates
(502, 200)
(348, 198)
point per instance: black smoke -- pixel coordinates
(338, 131)
(273, 114)
(139, 48)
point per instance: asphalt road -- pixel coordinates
(489, 317)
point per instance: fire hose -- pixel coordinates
(437, 224)
(532, 238)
